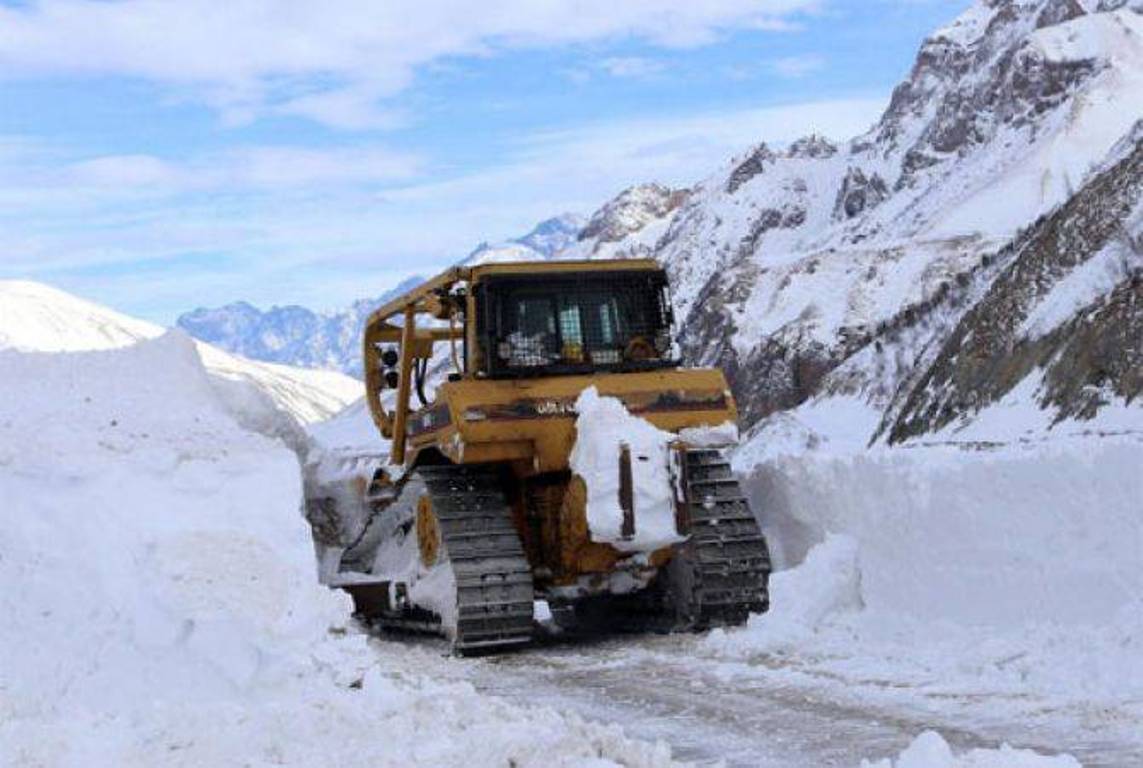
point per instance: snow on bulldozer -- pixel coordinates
(561, 453)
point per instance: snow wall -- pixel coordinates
(160, 599)
(1046, 533)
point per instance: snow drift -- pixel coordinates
(160, 601)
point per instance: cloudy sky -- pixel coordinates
(159, 155)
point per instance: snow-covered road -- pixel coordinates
(769, 711)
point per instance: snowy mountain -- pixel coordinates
(787, 263)
(629, 225)
(38, 318)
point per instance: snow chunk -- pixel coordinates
(721, 436)
(803, 599)
(929, 750)
(603, 426)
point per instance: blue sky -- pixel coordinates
(159, 156)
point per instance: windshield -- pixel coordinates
(570, 322)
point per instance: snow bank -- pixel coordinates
(1051, 532)
(160, 602)
(929, 750)
(603, 425)
(1017, 570)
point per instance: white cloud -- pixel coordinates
(798, 66)
(232, 171)
(637, 67)
(321, 227)
(353, 108)
(124, 171)
(332, 62)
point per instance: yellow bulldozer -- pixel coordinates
(556, 451)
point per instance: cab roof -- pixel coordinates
(473, 274)
(549, 267)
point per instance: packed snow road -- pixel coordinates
(769, 711)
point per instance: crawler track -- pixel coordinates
(721, 574)
(493, 578)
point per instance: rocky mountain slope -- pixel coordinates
(788, 263)
(38, 318)
(1068, 311)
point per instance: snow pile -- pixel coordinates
(38, 318)
(160, 603)
(603, 427)
(929, 750)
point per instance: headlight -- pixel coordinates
(475, 414)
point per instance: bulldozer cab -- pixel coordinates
(499, 322)
(573, 323)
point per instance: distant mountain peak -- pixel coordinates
(630, 211)
(291, 334)
(296, 335)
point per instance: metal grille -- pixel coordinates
(596, 321)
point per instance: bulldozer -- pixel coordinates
(483, 511)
